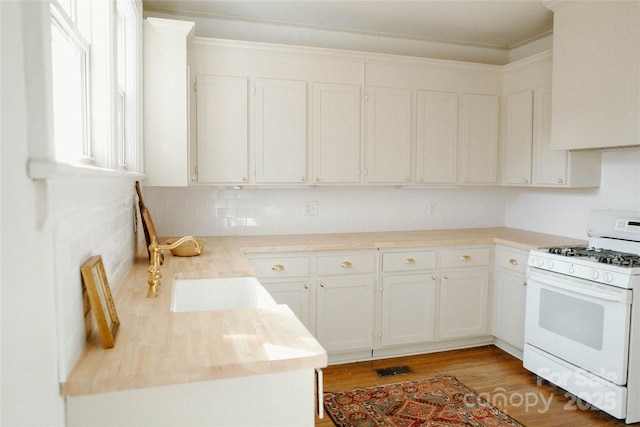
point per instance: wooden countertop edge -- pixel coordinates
(229, 256)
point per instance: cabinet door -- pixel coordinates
(388, 135)
(463, 303)
(550, 165)
(408, 309)
(479, 138)
(336, 133)
(437, 137)
(295, 295)
(519, 137)
(344, 313)
(221, 104)
(281, 131)
(511, 295)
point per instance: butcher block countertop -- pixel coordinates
(156, 347)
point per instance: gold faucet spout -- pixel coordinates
(155, 250)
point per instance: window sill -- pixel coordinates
(45, 169)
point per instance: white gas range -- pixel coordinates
(582, 323)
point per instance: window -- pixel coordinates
(70, 78)
(95, 64)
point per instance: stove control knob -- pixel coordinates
(572, 270)
(594, 274)
(539, 262)
(550, 264)
(608, 277)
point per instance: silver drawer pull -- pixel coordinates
(410, 261)
(465, 257)
(513, 261)
(278, 267)
(346, 264)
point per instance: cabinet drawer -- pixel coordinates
(512, 259)
(465, 257)
(268, 268)
(409, 261)
(346, 264)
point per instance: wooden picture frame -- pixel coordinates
(99, 293)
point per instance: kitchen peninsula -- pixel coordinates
(157, 349)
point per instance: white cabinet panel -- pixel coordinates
(511, 295)
(437, 137)
(336, 133)
(519, 137)
(221, 129)
(596, 74)
(479, 138)
(388, 142)
(463, 303)
(550, 165)
(296, 295)
(408, 309)
(345, 313)
(281, 131)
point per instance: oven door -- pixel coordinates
(581, 322)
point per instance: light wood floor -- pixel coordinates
(492, 373)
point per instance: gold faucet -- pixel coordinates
(155, 251)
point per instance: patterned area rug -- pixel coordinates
(438, 401)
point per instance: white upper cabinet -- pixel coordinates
(436, 137)
(479, 149)
(388, 135)
(596, 74)
(166, 106)
(281, 131)
(528, 157)
(519, 136)
(222, 129)
(336, 133)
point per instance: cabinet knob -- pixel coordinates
(317, 179)
(193, 179)
(525, 180)
(560, 181)
(244, 179)
(346, 264)
(513, 261)
(410, 261)
(407, 178)
(446, 276)
(467, 180)
(524, 283)
(465, 257)
(306, 286)
(302, 178)
(278, 267)
(433, 277)
(422, 179)
(321, 285)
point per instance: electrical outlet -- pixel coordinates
(431, 208)
(311, 208)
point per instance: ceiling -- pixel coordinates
(498, 24)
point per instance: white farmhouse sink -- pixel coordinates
(219, 294)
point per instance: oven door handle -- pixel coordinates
(614, 297)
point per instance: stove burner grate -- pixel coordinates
(605, 256)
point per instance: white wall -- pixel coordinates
(49, 228)
(566, 212)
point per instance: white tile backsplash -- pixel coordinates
(259, 211)
(105, 229)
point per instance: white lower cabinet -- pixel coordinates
(344, 313)
(464, 292)
(408, 309)
(510, 298)
(463, 303)
(370, 303)
(407, 297)
(345, 300)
